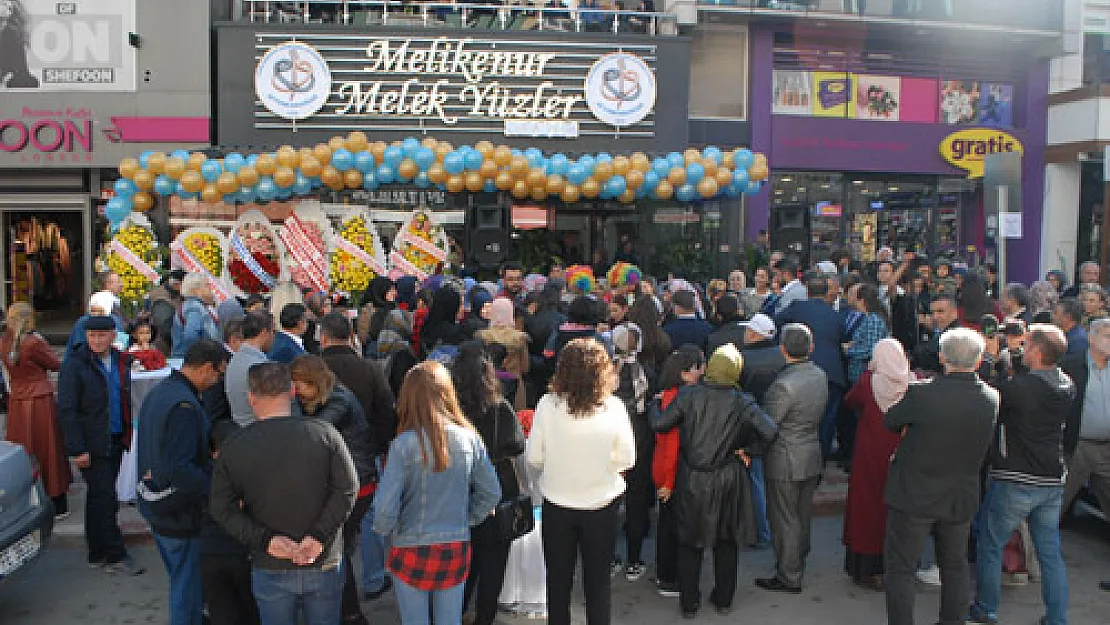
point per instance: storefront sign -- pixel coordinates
(293, 81)
(75, 45)
(968, 149)
(620, 89)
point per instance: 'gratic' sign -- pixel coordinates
(461, 84)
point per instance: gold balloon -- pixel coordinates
(442, 150)
(724, 176)
(536, 177)
(195, 162)
(337, 143)
(144, 180)
(330, 176)
(728, 159)
(570, 194)
(455, 183)
(156, 163)
(377, 148)
(488, 169)
(518, 167)
(193, 182)
(283, 177)
(352, 178)
(621, 165)
(175, 166)
(357, 141)
(408, 169)
(691, 155)
(627, 197)
(485, 148)
(555, 184)
(473, 181)
(502, 155)
(710, 169)
(286, 156)
(520, 189)
(209, 194)
(640, 162)
(758, 171)
(635, 179)
(310, 166)
(591, 188)
(708, 187)
(429, 142)
(603, 171)
(142, 201)
(677, 176)
(322, 152)
(539, 194)
(759, 159)
(664, 190)
(266, 164)
(437, 174)
(248, 176)
(128, 167)
(504, 180)
(228, 183)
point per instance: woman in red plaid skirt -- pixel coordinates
(437, 484)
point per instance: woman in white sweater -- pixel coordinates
(580, 443)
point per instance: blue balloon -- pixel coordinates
(536, 159)
(743, 158)
(125, 188)
(533, 153)
(422, 180)
(164, 185)
(453, 163)
(604, 157)
(694, 173)
(144, 158)
(364, 161)
(284, 193)
(211, 170)
(424, 158)
(266, 189)
(386, 174)
(247, 194)
(577, 174)
(676, 159)
(686, 193)
(615, 186)
(712, 153)
(473, 160)
(661, 167)
(753, 188)
(642, 192)
(370, 181)
(651, 180)
(393, 156)
(117, 209)
(733, 191)
(740, 178)
(181, 154)
(302, 185)
(315, 182)
(233, 162)
(409, 147)
(489, 187)
(342, 159)
(558, 164)
(515, 151)
(588, 162)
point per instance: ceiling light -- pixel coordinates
(786, 179)
(778, 191)
(801, 189)
(892, 189)
(857, 182)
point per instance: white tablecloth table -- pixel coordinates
(141, 384)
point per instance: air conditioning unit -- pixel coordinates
(685, 10)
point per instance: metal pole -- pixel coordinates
(1003, 208)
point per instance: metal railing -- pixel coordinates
(545, 16)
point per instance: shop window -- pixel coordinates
(1096, 59)
(718, 73)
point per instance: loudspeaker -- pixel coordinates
(790, 231)
(489, 238)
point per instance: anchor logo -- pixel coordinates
(292, 75)
(621, 85)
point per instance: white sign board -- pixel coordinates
(59, 45)
(1011, 225)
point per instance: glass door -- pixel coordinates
(43, 264)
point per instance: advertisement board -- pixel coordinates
(67, 45)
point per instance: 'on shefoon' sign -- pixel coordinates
(60, 45)
(968, 149)
(337, 82)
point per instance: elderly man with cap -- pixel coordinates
(101, 303)
(94, 411)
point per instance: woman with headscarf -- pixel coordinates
(515, 360)
(711, 496)
(880, 387)
(380, 298)
(477, 315)
(441, 328)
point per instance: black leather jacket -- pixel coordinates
(343, 411)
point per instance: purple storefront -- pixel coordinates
(872, 143)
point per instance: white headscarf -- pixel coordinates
(890, 377)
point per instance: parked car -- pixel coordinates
(26, 514)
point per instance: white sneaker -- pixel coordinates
(929, 576)
(633, 572)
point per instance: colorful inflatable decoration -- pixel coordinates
(354, 162)
(580, 279)
(256, 254)
(357, 256)
(133, 254)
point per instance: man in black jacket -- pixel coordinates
(944, 314)
(1087, 435)
(174, 471)
(1027, 475)
(732, 328)
(934, 477)
(284, 486)
(94, 411)
(763, 359)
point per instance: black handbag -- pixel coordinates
(512, 518)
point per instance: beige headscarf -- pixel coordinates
(501, 313)
(890, 373)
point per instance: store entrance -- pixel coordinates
(43, 265)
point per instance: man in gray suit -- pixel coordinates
(933, 484)
(796, 402)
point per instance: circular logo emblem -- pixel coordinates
(292, 81)
(620, 89)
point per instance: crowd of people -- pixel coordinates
(432, 427)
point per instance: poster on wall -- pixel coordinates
(834, 94)
(959, 101)
(996, 105)
(74, 45)
(879, 98)
(793, 93)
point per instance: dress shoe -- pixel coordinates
(777, 585)
(692, 612)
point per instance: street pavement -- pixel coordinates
(60, 589)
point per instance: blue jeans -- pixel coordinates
(759, 500)
(446, 604)
(1008, 504)
(373, 553)
(181, 556)
(282, 594)
(828, 422)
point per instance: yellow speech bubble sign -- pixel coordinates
(968, 149)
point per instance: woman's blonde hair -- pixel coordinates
(313, 370)
(285, 292)
(426, 404)
(20, 320)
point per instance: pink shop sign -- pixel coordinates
(49, 136)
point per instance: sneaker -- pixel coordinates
(373, 595)
(616, 568)
(61, 517)
(96, 564)
(977, 615)
(929, 576)
(667, 589)
(633, 572)
(126, 566)
(1015, 579)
